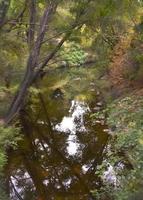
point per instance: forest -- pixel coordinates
(71, 99)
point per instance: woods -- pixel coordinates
(33, 68)
(70, 99)
(35, 38)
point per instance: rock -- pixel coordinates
(99, 104)
(98, 93)
(106, 130)
(92, 84)
(1, 122)
(57, 93)
(96, 108)
(63, 65)
(92, 90)
(77, 79)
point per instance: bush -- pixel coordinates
(73, 54)
(8, 138)
(125, 121)
(127, 143)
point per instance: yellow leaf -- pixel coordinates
(141, 141)
(41, 5)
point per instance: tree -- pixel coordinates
(99, 16)
(33, 68)
(4, 5)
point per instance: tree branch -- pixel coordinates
(31, 64)
(32, 21)
(33, 70)
(14, 22)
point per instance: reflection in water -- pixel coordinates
(18, 179)
(57, 159)
(73, 124)
(62, 164)
(109, 175)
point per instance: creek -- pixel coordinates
(62, 144)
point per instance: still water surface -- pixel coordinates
(62, 144)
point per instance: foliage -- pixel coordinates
(125, 147)
(73, 54)
(126, 117)
(3, 195)
(101, 24)
(135, 54)
(4, 5)
(8, 138)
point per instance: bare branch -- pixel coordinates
(13, 22)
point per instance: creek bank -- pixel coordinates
(122, 91)
(125, 147)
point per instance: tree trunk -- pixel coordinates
(33, 68)
(18, 100)
(30, 76)
(4, 5)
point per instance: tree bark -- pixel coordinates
(33, 68)
(31, 31)
(31, 65)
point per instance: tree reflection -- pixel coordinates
(44, 170)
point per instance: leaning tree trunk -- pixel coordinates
(33, 68)
(31, 64)
(30, 76)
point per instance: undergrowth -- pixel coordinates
(125, 121)
(9, 136)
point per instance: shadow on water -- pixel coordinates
(61, 148)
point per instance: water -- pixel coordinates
(62, 145)
(72, 124)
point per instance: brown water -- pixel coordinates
(62, 145)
